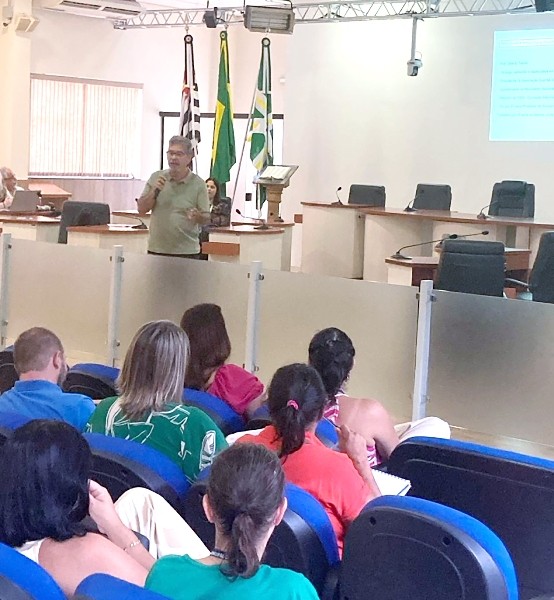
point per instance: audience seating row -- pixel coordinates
(305, 541)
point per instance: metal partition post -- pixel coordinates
(423, 342)
(115, 305)
(253, 317)
(5, 247)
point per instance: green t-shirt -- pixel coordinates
(171, 231)
(183, 433)
(182, 578)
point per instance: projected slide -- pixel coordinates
(522, 93)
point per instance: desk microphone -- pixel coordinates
(410, 208)
(339, 201)
(482, 214)
(142, 225)
(453, 236)
(261, 222)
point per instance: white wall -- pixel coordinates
(90, 48)
(354, 116)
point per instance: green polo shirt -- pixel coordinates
(171, 232)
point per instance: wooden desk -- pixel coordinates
(332, 239)
(107, 236)
(287, 241)
(243, 244)
(386, 227)
(51, 193)
(130, 217)
(31, 227)
(412, 272)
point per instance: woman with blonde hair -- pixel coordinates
(149, 409)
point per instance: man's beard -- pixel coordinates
(63, 374)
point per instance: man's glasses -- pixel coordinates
(171, 154)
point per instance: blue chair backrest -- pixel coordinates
(220, 412)
(411, 549)
(23, 579)
(120, 465)
(511, 493)
(106, 587)
(91, 379)
(304, 541)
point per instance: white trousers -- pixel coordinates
(426, 427)
(148, 513)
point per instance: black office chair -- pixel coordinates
(8, 374)
(368, 195)
(432, 197)
(82, 213)
(512, 199)
(472, 267)
(541, 281)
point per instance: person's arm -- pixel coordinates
(102, 511)
(354, 446)
(200, 214)
(147, 200)
(370, 419)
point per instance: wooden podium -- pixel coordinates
(275, 179)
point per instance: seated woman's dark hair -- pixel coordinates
(44, 484)
(331, 353)
(296, 399)
(245, 490)
(210, 345)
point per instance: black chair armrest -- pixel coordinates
(330, 589)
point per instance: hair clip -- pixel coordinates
(293, 403)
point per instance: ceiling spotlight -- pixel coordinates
(210, 18)
(269, 19)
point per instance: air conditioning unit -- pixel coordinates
(103, 9)
(25, 23)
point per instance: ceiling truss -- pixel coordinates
(340, 12)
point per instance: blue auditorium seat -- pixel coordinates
(106, 587)
(412, 549)
(220, 412)
(120, 465)
(91, 379)
(304, 541)
(511, 493)
(23, 579)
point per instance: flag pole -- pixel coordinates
(244, 142)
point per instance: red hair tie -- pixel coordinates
(293, 403)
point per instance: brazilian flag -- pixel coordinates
(223, 146)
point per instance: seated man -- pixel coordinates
(40, 362)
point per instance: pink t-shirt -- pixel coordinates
(328, 475)
(236, 386)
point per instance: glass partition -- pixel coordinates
(381, 320)
(491, 365)
(64, 288)
(160, 287)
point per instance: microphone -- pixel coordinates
(142, 225)
(453, 236)
(261, 222)
(339, 201)
(410, 208)
(482, 214)
(156, 193)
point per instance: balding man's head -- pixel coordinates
(9, 179)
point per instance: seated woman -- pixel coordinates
(341, 481)
(220, 211)
(149, 409)
(46, 492)
(210, 348)
(331, 353)
(245, 502)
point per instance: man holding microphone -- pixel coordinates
(179, 203)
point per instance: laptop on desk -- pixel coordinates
(25, 201)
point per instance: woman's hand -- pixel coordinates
(102, 510)
(353, 444)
